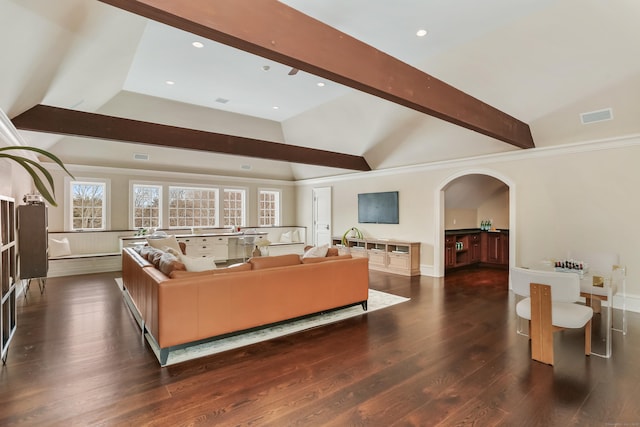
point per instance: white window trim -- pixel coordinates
(68, 200)
(274, 190)
(244, 204)
(132, 206)
(194, 187)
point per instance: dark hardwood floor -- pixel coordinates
(449, 356)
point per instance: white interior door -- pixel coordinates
(322, 216)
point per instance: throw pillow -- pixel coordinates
(169, 249)
(285, 237)
(316, 252)
(198, 263)
(154, 257)
(333, 252)
(170, 241)
(168, 263)
(58, 248)
(295, 236)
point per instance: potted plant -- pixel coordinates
(354, 233)
(36, 170)
(12, 141)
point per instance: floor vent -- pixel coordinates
(596, 116)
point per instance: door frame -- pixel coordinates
(438, 256)
(314, 210)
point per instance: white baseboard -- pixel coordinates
(632, 302)
(426, 270)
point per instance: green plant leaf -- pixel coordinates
(36, 178)
(28, 165)
(39, 151)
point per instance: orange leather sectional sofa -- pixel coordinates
(194, 306)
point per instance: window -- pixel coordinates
(268, 207)
(147, 206)
(234, 208)
(88, 205)
(193, 207)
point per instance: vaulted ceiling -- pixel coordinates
(541, 61)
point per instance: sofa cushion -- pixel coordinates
(154, 255)
(258, 263)
(161, 243)
(193, 263)
(149, 252)
(179, 274)
(58, 248)
(316, 251)
(169, 262)
(313, 260)
(333, 252)
(285, 237)
(144, 251)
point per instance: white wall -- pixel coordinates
(495, 209)
(14, 181)
(582, 196)
(457, 219)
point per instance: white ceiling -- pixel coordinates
(541, 61)
(202, 75)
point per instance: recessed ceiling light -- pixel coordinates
(275, 107)
(265, 68)
(170, 82)
(421, 33)
(320, 84)
(197, 44)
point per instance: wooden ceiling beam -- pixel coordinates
(273, 30)
(43, 118)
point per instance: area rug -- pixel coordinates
(377, 300)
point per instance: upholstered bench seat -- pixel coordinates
(563, 314)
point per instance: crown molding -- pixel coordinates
(145, 173)
(530, 153)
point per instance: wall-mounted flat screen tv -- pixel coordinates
(378, 208)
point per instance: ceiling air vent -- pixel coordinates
(596, 116)
(140, 156)
(222, 100)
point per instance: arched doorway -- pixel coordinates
(471, 185)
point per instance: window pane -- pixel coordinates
(234, 208)
(196, 207)
(146, 206)
(88, 205)
(268, 208)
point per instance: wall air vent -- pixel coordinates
(596, 116)
(140, 156)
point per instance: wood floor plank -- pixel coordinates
(449, 356)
